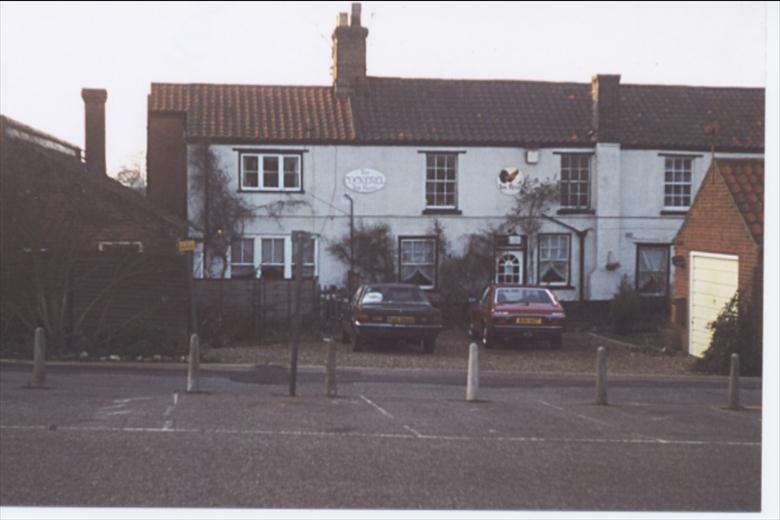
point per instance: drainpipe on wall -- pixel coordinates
(581, 233)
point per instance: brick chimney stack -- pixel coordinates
(349, 53)
(95, 129)
(605, 91)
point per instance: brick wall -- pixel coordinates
(166, 163)
(713, 225)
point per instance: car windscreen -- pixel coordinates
(409, 295)
(511, 295)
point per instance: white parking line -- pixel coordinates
(415, 432)
(584, 417)
(413, 436)
(379, 408)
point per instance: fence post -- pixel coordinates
(193, 372)
(330, 370)
(38, 379)
(734, 383)
(472, 381)
(601, 376)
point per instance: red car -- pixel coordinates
(513, 312)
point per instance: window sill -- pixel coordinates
(576, 211)
(442, 211)
(559, 287)
(266, 192)
(672, 212)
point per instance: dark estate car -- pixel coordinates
(512, 312)
(391, 312)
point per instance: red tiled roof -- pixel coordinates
(676, 117)
(261, 113)
(467, 112)
(745, 180)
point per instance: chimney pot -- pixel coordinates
(95, 129)
(349, 54)
(356, 8)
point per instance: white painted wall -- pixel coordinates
(626, 188)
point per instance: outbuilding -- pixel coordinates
(719, 249)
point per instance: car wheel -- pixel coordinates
(487, 339)
(429, 345)
(557, 342)
(358, 343)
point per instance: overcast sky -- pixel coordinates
(49, 52)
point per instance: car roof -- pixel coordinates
(392, 285)
(518, 286)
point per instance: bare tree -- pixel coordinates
(133, 174)
(532, 202)
(374, 252)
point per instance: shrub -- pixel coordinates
(733, 333)
(625, 309)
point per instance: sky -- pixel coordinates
(49, 52)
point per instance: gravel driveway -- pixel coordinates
(578, 355)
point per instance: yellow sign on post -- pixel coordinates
(186, 246)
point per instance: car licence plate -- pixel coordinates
(400, 319)
(528, 321)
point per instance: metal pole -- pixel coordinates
(734, 383)
(193, 372)
(601, 376)
(297, 241)
(472, 382)
(39, 360)
(350, 280)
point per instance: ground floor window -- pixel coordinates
(554, 259)
(652, 269)
(242, 258)
(270, 257)
(417, 261)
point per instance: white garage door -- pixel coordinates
(713, 282)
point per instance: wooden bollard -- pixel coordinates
(734, 383)
(193, 375)
(38, 379)
(601, 376)
(330, 371)
(472, 380)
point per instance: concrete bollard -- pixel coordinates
(601, 376)
(472, 381)
(38, 379)
(193, 375)
(330, 371)
(734, 383)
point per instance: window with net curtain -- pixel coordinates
(652, 269)
(418, 261)
(554, 259)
